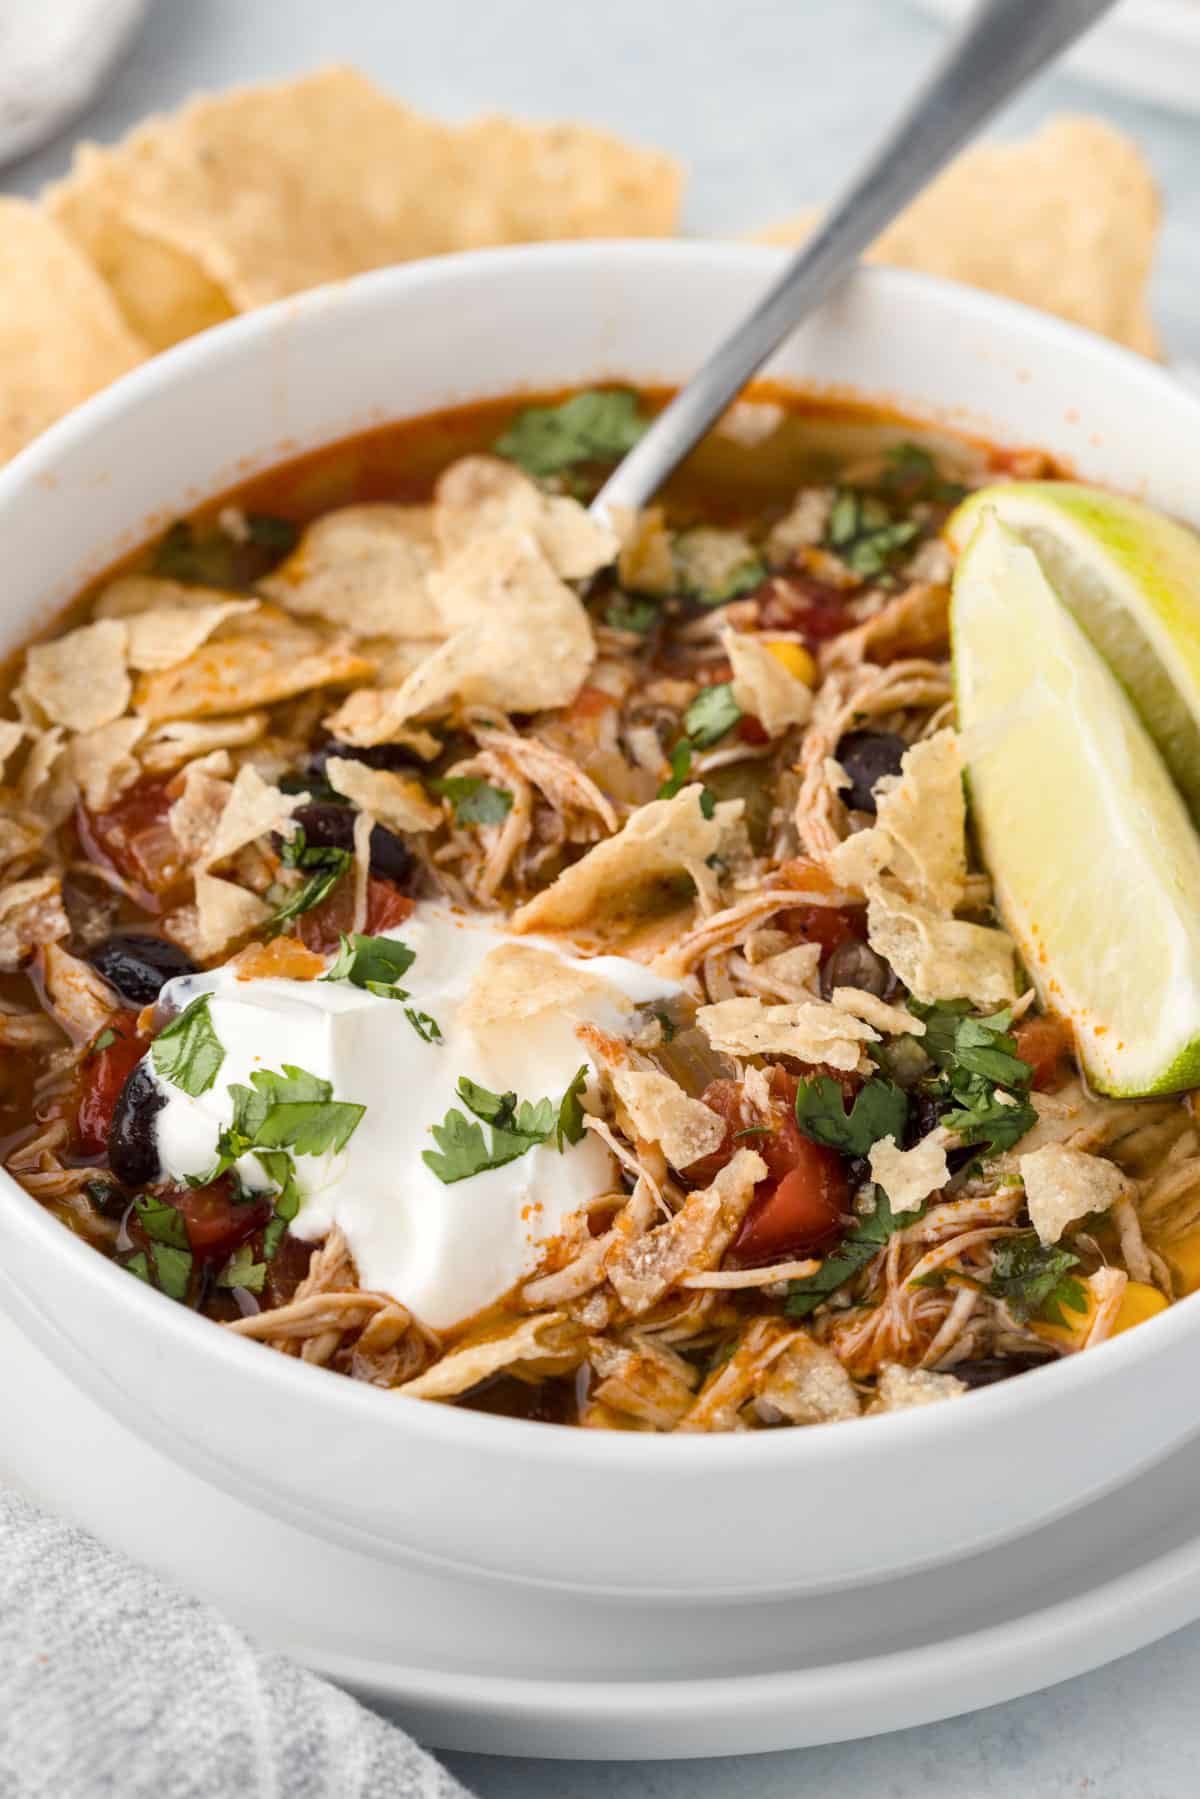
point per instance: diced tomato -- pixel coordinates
(799, 1214)
(826, 925)
(751, 731)
(589, 702)
(1045, 1043)
(103, 1074)
(321, 928)
(133, 838)
(796, 602)
(216, 1221)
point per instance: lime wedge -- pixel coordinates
(1095, 862)
(1131, 578)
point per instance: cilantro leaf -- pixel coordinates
(493, 1108)
(569, 1125)
(474, 800)
(912, 474)
(370, 961)
(880, 1109)
(864, 534)
(105, 1040)
(711, 715)
(861, 1244)
(325, 866)
(1034, 1279)
(982, 1113)
(462, 1151)
(188, 1052)
(138, 1265)
(955, 1038)
(172, 1268)
(681, 765)
(596, 426)
(241, 1270)
(310, 1128)
(627, 612)
(161, 1222)
(427, 1028)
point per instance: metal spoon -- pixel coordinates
(1003, 45)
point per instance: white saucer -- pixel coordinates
(469, 1666)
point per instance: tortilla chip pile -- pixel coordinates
(242, 198)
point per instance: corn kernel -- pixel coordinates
(1138, 1302)
(796, 659)
(1075, 1326)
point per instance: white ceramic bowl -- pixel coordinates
(679, 1517)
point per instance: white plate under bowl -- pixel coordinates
(469, 1665)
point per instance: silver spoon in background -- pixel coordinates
(1004, 44)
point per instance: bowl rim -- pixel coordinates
(459, 1427)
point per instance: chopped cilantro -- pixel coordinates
(172, 1268)
(427, 1028)
(880, 1109)
(370, 961)
(324, 865)
(241, 1270)
(516, 1127)
(474, 800)
(714, 566)
(984, 1083)
(1034, 1279)
(138, 1265)
(161, 1222)
(666, 1025)
(711, 715)
(861, 1244)
(708, 807)
(983, 1113)
(596, 426)
(188, 1052)
(105, 1040)
(628, 613)
(912, 473)
(864, 535)
(681, 767)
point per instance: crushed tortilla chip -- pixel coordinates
(547, 1343)
(1066, 220)
(517, 981)
(244, 197)
(62, 336)
(162, 637)
(168, 745)
(12, 735)
(47, 784)
(80, 1000)
(919, 836)
(31, 913)
(80, 679)
(901, 1388)
(909, 1176)
(810, 1030)
(693, 1240)
(792, 973)
(891, 1021)
(102, 762)
(196, 812)
(646, 563)
(808, 1385)
(222, 913)
(660, 840)
(661, 1112)
(478, 496)
(1063, 1185)
(256, 661)
(365, 568)
(521, 641)
(397, 801)
(254, 809)
(762, 686)
(938, 957)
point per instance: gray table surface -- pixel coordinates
(766, 102)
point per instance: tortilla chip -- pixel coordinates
(102, 762)
(938, 957)
(80, 679)
(694, 1239)
(244, 197)
(397, 801)
(919, 835)
(1062, 1185)
(517, 981)
(254, 662)
(161, 638)
(909, 1176)
(12, 735)
(48, 787)
(664, 838)
(661, 1112)
(254, 809)
(809, 1029)
(222, 913)
(479, 496)
(901, 1388)
(548, 1342)
(62, 336)
(521, 641)
(892, 1021)
(646, 563)
(1066, 220)
(20, 834)
(31, 913)
(762, 686)
(365, 568)
(196, 813)
(169, 745)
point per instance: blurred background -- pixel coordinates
(766, 103)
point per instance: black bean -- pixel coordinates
(855, 964)
(380, 755)
(985, 1371)
(924, 1115)
(866, 757)
(138, 965)
(328, 826)
(132, 1142)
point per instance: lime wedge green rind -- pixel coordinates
(1131, 579)
(1095, 862)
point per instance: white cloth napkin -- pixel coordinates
(112, 1684)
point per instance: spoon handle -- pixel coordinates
(1001, 47)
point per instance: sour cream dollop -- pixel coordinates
(445, 1251)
